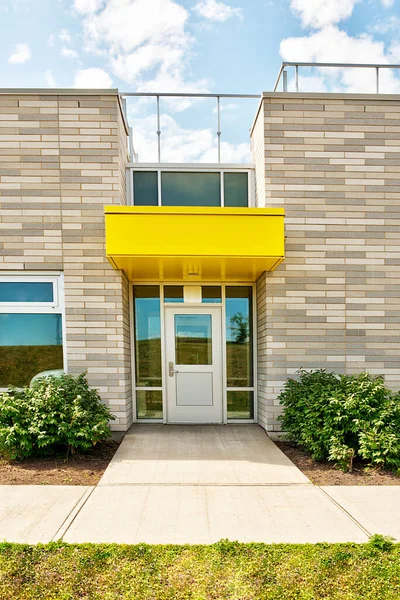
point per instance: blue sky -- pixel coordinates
(233, 46)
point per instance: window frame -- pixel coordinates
(31, 279)
(160, 168)
(55, 307)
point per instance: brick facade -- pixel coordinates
(62, 158)
(333, 162)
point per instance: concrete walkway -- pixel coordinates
(198, 484)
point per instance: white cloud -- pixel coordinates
(320, 13)
(217, 11)
(392, 24)
(183, 145)
(65, 36)
(87, 6)
(154, 21)
(92, 78)
(51, 40)
(50, 81)
(333, 45)
(21, 54)
(152, 54)
(69, 53)
(387, 3)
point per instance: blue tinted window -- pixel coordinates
(173, 293)
(147, 335)
(145, 188)
(30, 329)
(190, 189)
(29, 344)
(20, 291)
(239, 336)
(235, 189)
(211, 293)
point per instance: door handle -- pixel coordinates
(171, 370)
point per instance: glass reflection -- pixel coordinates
(211, 293)
(240, 405)
(29, 291)
(149, 404)
(145, 188)
(147, 335)
(193, 344)
(236, 189)
(29, 344)
(239, 336)
(173, 293)
(190, 189)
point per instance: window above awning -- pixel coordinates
(194, 244)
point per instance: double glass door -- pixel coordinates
(194, 365)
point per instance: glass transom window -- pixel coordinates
(191, 188)
(32, 291)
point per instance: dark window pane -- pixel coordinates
(190, 189)
(240, 405)
(147, 335)
(145, 188)
(149, 404)
(29, 344)
(239, 336)
(29, 291)
(211, 293)
(235, 189)
(173, 293)
(193, 344)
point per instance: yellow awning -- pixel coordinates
(160, 243)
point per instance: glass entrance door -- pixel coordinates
(194, 365)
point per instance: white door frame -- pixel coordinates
(203, 414)
(163, 305)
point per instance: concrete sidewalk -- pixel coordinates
(199, 484)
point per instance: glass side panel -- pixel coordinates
(211, 293)
(239, 336)
(236, 189)
(29, 344)
(240, 405)
(190, 189)
(173, 293)
(149, 404)
(28, 291)
(147, 335)
(145, 188)
(193, 343)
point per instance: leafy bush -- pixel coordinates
(339, 417)
(56, 411)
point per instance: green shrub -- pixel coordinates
(56, 411)
(339, 417)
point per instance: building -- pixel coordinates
(176, 287)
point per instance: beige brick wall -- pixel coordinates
(333, 162)
(61, 161)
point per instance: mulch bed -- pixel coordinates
(80, 469)
(325, 473)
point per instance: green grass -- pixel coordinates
(226, 570)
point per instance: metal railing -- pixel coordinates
(283, 72)
(157, 96)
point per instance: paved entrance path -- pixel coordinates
(198, 484)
